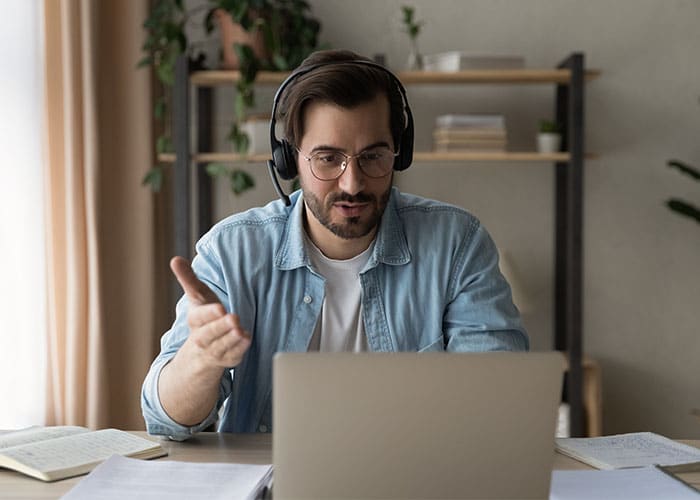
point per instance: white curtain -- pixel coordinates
(22, 243)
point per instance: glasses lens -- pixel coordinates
(327, 165)
(376, 162)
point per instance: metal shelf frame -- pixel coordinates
(569, 79)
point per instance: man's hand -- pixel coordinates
(188, 386)
(218, 337)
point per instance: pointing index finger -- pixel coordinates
(196, 291)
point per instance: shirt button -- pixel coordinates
(262, 428)
(308, 299)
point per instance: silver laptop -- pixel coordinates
(410, 425)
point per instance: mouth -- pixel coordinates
(347, 209)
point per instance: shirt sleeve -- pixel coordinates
(158, 422)
(481, 315)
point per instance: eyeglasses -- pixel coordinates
(328, 165)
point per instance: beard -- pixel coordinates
(349, 227)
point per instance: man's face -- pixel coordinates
(351, 206)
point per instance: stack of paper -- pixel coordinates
(470, 132)
(636, 466)
(119, 478)
(644, 483)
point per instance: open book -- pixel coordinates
(51, 453)
(637, 449)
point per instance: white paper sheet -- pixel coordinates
(645, 483)
(118, 478)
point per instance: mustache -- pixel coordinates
(358, 198)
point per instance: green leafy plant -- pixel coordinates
(289, 32)
(290, 35)
(548, 127)
(411, 26)
(678, 205)
(165, 41)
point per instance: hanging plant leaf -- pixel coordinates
(154, 179)
(216, 169)
(247, 61)
(159, 108)
(239, 13)
(280, 62)
(209, 24)
(239, 139)
(684, 208)
(163, 144)
(145, 61)
(241, 142)
(685, 168)
(241, 181)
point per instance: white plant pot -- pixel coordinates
(548, 142)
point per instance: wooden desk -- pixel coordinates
(212, 447)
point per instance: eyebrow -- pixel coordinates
(325, 147)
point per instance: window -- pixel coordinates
(22, 253)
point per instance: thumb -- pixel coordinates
(196, 291)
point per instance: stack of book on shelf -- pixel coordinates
(470, 133)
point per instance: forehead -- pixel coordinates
(327, 123)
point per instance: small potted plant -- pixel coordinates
(412, 29)
(548, 137)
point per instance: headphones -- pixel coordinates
(283, 162)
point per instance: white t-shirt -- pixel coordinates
(339, 327)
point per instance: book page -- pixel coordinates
(69, 452)
(637, 449)
(35, 434)
(120, 478)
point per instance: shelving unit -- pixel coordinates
(568, 78)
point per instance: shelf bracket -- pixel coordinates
(568, 285)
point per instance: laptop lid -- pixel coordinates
(410, 425)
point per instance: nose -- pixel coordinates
(352, 180)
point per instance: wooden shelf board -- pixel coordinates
(423, 156)
(224, 77)
(490, 156)
(493, 76)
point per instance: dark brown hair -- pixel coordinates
(346, 85)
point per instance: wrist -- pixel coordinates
(194, 361)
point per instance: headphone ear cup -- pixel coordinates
(285, 163)
(403, 161)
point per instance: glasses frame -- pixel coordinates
(346, 162)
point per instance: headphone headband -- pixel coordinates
(283, 162)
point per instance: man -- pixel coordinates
(351, 264)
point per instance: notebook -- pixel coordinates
(415, 425)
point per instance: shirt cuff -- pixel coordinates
(158, 422)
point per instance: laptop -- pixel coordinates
(415, 425)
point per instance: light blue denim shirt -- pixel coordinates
(432, 283)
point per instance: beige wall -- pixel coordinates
(642, 279)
